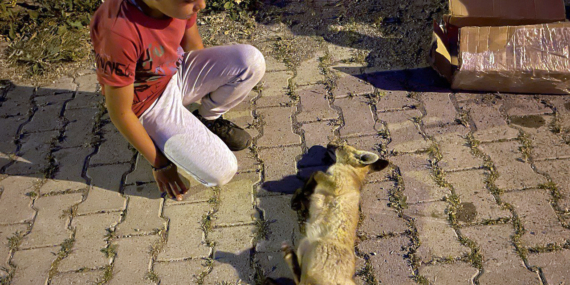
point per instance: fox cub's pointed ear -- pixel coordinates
(366, 158)
(379, 165)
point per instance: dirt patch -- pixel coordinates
(531, 121)
(466, 212)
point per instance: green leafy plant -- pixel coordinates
(44, 33)
(235, 8)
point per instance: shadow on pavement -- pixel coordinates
(315, 159)
(66, 136)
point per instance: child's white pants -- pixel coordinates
(221, 77)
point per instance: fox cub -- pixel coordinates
(331, 200)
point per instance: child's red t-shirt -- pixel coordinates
(131, 47)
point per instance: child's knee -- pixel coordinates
(225, 176)
(251, 58)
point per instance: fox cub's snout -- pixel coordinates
(330, 202)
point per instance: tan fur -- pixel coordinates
(326, 255)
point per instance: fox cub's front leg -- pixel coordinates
(292, 260)
(301, 198)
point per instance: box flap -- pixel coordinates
(440, 58)
(504, 12)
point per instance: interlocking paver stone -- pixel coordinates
(114, 148)
(133, 260)
(58, 98)
(513, 173)
(90, 238)
(437, 237)
(555, 265)
(314, 105)
(477, 201)
(247, 162)
(185, 235)
(53, 186)
(236, 205)
(87, 82)
(485, 116)
(33, 265)
(419, 185)
(7, 232)
(280, 171)
(559, 172)
(275, 88)
(283, 225)
(104, 193)
(358, 119)
(317, 134)
(108, 176)
(404, 134)
(142, 172)
(20, 93)
(538, 218)
(70, 163)
(460, 97)
(517, 105)
(277, 128)
(8, 131)
(89, 277)
(32, 155)
(50, 224)
(546, 144)
(379, 218)
(348, 85)
(496, 133)
(17, 102)
(144, 207)
(46, 118)
(61, 85)
(387, 259)
(78, 132)
(456, 154)
(85, 99)
(179, 272)
(456, 273)
(396, 100)
(500, 260)
(15, 205)
(308, 72)
(232, 255)
(440, 111)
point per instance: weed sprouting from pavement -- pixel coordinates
(110, 251)
(15, 240)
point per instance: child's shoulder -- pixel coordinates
(113, 16)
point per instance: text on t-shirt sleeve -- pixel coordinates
(116, 58)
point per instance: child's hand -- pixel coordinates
(169, 181)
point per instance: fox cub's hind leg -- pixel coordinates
(292, 260)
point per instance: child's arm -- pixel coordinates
(192, 39)
(119, 101)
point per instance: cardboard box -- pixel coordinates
(521, 59)
(504, 12)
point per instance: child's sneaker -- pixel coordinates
(233, 136)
